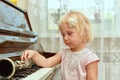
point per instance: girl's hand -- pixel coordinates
(28, 54)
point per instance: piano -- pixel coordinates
(16, 35)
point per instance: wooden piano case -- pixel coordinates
(16, 35)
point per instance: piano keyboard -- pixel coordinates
(40, 74)
(33, 73)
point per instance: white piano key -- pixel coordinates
(40, 74)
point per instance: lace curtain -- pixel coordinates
(104, 16)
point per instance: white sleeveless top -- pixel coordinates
(73, 63)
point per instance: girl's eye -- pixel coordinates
(70, 33)
(63, 35)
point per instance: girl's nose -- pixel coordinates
(65, 37)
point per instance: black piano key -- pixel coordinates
(22, 73)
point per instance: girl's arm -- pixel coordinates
(40, 60)
(92, 71)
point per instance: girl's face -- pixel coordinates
(71, 37)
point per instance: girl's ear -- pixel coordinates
(85, 35)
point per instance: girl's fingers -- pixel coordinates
(24, 55)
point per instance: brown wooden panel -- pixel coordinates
(48, 54)
(9, 50)
(15, 44)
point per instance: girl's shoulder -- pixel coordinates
(90, 56)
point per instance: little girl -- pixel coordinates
(77, 62)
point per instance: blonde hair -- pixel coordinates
(75, 19)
